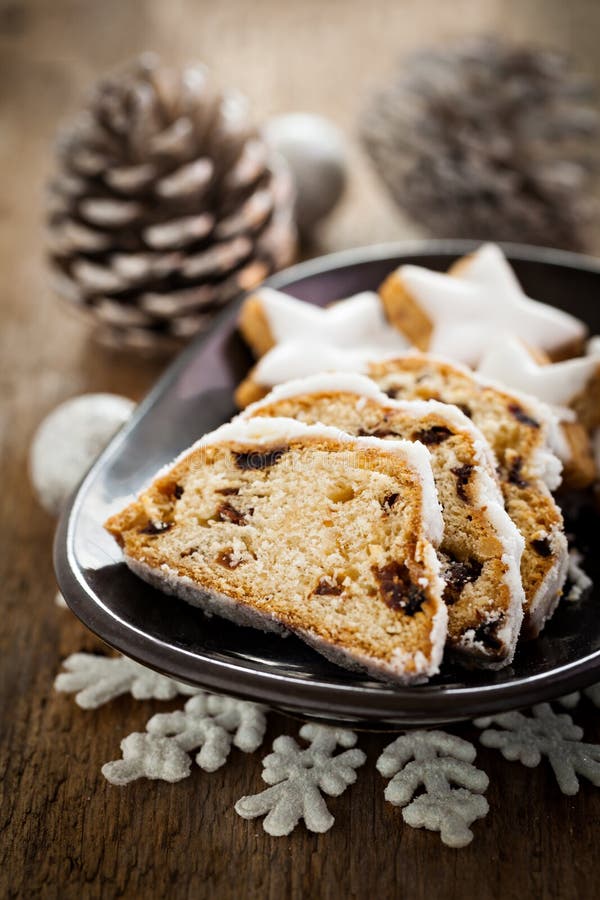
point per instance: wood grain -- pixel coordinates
(65, 832)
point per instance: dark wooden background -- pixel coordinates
(65, 832)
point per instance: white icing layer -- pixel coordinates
(323, 382)
(299, 358)
(354, 322)
(512, 540)
(593, 346)
(558, 384)
(471, 311)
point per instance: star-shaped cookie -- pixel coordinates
(301, 358)
(271, 317)
(558, 384)
(463, 314)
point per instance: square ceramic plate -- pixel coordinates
(195, 396)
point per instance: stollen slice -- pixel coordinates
(525, 438)
(288, 527)
(481, 548)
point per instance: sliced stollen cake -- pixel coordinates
(525, 437)
(284, 526)
(481, 549)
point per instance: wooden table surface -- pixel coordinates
(65, 832)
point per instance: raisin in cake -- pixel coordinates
(286, 527)
(481, 548)
(523, 434)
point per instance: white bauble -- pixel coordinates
(315, 152)
(69, 440)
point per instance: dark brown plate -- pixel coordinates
(193, 397)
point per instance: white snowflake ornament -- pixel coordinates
(212, 723)
(544, 733)
(443, 765)
(297, 776)
(96, 680)
(146, 756)
(593, 694)
(474, 308)
(570, 701)
(68, 441)
(208, 723)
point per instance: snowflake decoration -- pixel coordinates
(209, 725)
(99, 679)
(570, 701)
(208, 722)
(593, 694)
(297, 776)
(436, 761)
(545, 733)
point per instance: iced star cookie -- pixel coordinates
(481, 548)
(524, 435)
(462, 314)
(298, 359)
(271, 317)
(285, 527)
(573, 386)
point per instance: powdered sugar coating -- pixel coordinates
(487, 495)
(547, 597)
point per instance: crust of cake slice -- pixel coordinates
(481, 547)
(284, 527)
(521, 432)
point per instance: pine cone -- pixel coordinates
(166, 205)
(488, 140)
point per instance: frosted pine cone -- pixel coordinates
(488, 140)
(166, 205)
